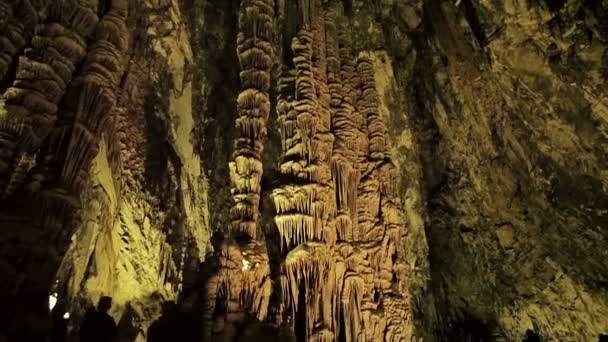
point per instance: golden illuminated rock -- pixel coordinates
(333, 142)
(253, 106)
(306, 170)
(41, 80)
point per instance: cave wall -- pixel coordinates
(147, 219)
(522, 146)
(496, 116)
(141, 219)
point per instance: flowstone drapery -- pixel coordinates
(336, 209)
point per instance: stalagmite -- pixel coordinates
(253, 106)
(243, 279)
(337, 211)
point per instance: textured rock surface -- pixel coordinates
(149, 218)
(516, 146)
(372, 170)
(142, 216)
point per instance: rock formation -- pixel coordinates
(337, 212)
(242, 283)
(330, 131)
(310, 170)
(69, 138)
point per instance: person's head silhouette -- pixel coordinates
(104, 305)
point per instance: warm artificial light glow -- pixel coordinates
(52, 301)
(246, 265)
(66, 315)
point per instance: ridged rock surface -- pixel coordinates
(307, 170)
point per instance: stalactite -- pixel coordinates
(351, 306)
(338, 210)
(41, 81)
(306, 269)
(346, 123)
(368, 103)
(89, 102)
(6, 13)
(14, 34)
(253, 105)
(302, 210)
(16, 26)
(306, 12)
(24, 164)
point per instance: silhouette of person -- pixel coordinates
(166, 327)
(98, 325)
(531, 336)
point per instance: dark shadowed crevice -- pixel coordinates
(556, 5)
(472, 18)
(103, 7)
(217, 67)
(156, 134)
(9, 77)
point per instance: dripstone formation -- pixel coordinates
(336, 211)
(305, 170)
(49, 133)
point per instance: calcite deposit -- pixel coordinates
(338, 214)
(306, 170)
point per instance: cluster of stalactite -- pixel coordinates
(89, 102)
(56, 110)
(338, 210)
(305, 207)
(254, 49)
(41, 80)
(242, 283)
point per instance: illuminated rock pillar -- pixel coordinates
(254, 48)
(242, 283)
(337, 210)
(42, 77)
(339, 218)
